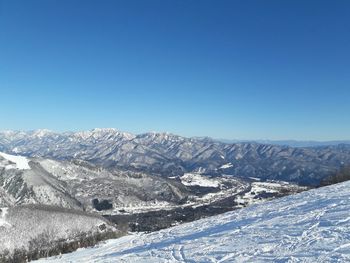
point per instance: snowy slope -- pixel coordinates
(75, 184)
(14, 162)
(31, 227)
(312, 226)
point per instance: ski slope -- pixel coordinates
(312, 226)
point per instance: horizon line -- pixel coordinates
(226, 140)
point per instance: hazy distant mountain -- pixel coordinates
(170, 155)
(291, 143)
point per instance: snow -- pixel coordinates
(19, 162)
(3, 213)
(312, 226)
(103, 132)
(20, 226)
(190, 179)
(42, 133)
(256, 188)
(225, 166)
(239, 156)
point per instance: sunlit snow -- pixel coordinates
(312, 226)
(3, 213)
(225, 166)
(16, 162)
(200, 180)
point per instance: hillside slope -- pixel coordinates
(33, 231)
(80, 185)
(76, 184)
(312, 226)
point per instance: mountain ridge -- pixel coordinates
(284, 142)
(172, 155)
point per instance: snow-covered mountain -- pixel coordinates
(171, 155)
(127, 196)
(79, 185)
(312, 226)
(75, 184)
(291, 143)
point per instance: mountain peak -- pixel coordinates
(104, 130)
(41, 132)
(97, 133)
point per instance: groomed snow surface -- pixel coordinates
(312, 226)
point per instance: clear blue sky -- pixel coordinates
(226, 69)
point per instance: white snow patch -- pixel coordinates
(19, 162)
(200, 180)
(239, 156)
(3, 213)
(225, 166)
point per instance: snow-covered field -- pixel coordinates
(312, 226)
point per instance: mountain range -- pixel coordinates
(291, 143)
(170, 155)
